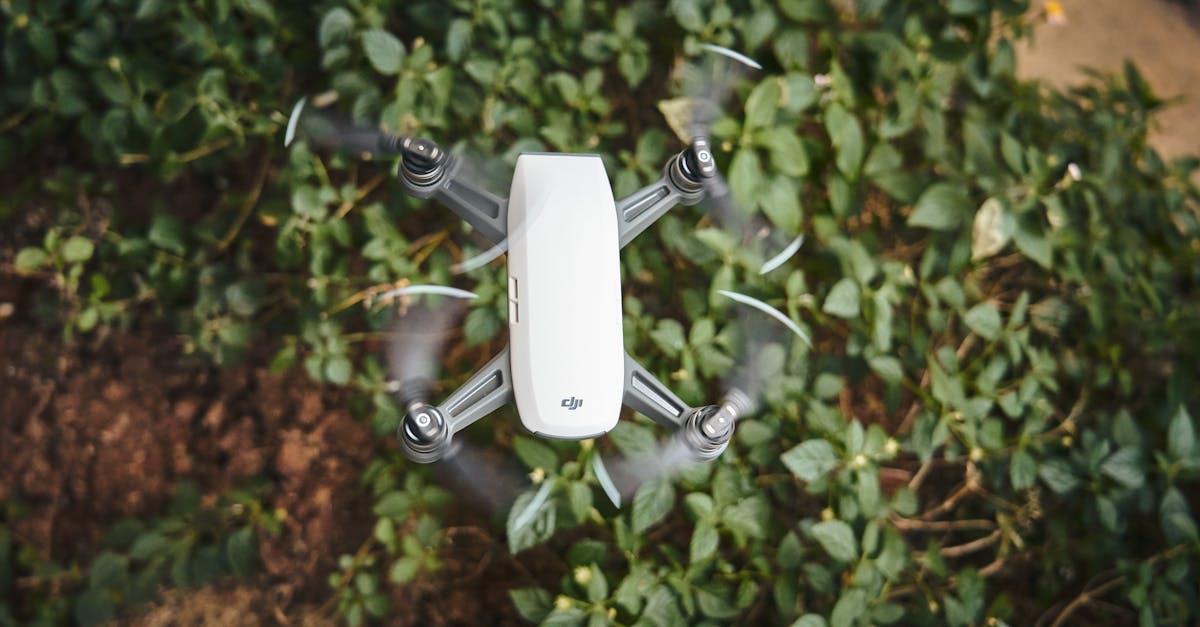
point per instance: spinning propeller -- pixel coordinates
(418, 337)
(707, 431)
(707, 85)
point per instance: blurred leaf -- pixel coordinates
(1181, 435)
(383, 50)
(811, 459)
(992, 230)
(837, 539)
(1125, 467)
(78, 249)
(653, 501)
(843, 300)
(30, 260)
(941, 207)
(847, 136)
(984, 319)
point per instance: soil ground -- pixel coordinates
(1162, 38)
(91, 435)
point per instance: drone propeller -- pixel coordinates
(419, 335)
(707, 431)
(423, 164)
(707, 85)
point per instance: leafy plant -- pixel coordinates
(993, 423)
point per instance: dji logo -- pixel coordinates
(572, 403)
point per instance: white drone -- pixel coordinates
(565, 367)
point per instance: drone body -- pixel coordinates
(564, 296)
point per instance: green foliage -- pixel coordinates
(999, 282)
(189, 546)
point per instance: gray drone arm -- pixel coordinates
(682, 183)
(426, 431)
(645, 394)
(706, 431)
(429, 172)
(482, 394)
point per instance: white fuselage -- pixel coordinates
(565, 317)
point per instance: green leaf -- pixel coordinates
(837, 539)
(1181, 435)
(1022, 470)
(336, 26)
(148, 545)
(481, 325)
(843, 299)
(984, 319)
(745, 177)
(168, 233)
(669, 337)
(30, 260)
(705, 540)
(535, 454)
(93, 607)
(748, 518)
(811, 460)
(967, 7)
(240, 551)
(849, 609)
(1034, 244)
(108, 569)
(533, 604)
(788, 155)
(651, 504)
(404, 569)
(810, 620)
(992, 230)
(762, 104)
(384, 51)
(1176, 518)
(458, 38)
(1125, 467)
(781, 202)
(338, 370)
(941, 207)
(394, 504)
(887, 367)
(847, 136)
(78, 249)
(1058, 476)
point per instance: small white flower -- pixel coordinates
(822, 81)
(1074, 171)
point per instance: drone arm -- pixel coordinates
(680, 184)
(440, 177)
(484, 210)
(644, 393)
(482, 394)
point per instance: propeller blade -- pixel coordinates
(425, 325)
(328, 130)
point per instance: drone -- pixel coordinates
(564, 368)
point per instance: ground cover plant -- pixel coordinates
(994, 423)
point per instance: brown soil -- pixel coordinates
(89, 435)
(1162, 38)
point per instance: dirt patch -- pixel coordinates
(1162, 38)
(89, 436)
(93, 434)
